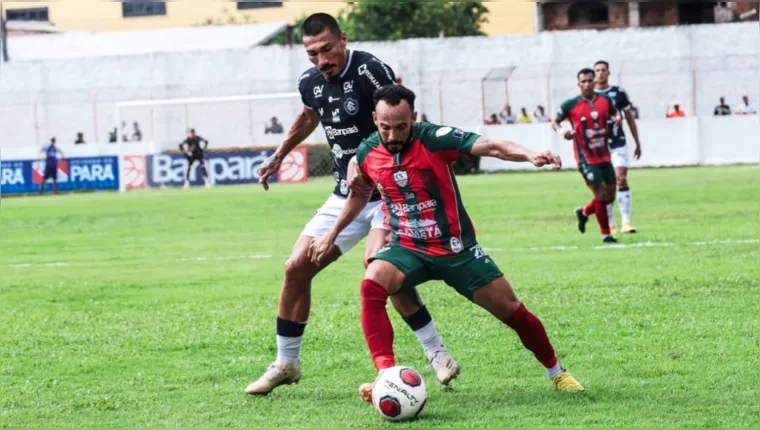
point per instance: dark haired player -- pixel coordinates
(433, 237)
(51, 153)
(590, 115)
(618, 149)
(337, 92)
(191, 146)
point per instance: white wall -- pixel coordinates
(664, 142)
(693, 64)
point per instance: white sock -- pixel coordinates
(430, 340)
(611, 214)
(554, 371)
(624, 200)
(288, 350)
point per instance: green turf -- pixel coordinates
(123, 332)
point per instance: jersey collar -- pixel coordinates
(609, 87)
(348, 65)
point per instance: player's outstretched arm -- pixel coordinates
(305, 123)
(359, 195)
(510, 151)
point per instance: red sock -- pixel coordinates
(601, 216)
(533, 335)
(590, 208)
(378, 331)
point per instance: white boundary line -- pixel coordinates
(534, 249)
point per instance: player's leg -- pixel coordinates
(476, 276)
(595, 180)
(621, 162)
(202, 162)
(409, 305)
(190, 161)
(42, 186)
(391, 269)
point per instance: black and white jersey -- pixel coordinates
(620, 98)
(345, 106)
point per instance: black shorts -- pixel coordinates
(195, 156)
(51, 172)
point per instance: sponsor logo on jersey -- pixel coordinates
(321, 111)
(318, 91)
(594, 115)
(348, 86)
(428, 232)
(343, 187)
(363, 70)
(403, 209)
(339, 152)
(456, 245)
(401, 178)
(351, 106)
(333, 99)
(332, 133)
(336, 115)
(442, 131)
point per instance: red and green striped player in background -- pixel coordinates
(590, 114)
(432, 237)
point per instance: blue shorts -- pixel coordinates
(51, 171)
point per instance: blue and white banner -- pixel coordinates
(224, 168)
(84, 173)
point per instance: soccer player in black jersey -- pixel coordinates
(191, 146)
(337, 92)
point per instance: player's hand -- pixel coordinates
(545, 158)
(569, 134)
(637, 152)
(319, 248)
(269, 168)
(617, 120)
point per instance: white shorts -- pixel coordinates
(371, 217)
(620, 157)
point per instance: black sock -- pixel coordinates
(419, 319)
(287, 328)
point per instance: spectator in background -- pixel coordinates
(676, 112)
(540, 114)
(51, 165)
(722, 108)
(112, 135)
(136, 132)
(746, 108)
(80, 139)
(507, 116)
(124, 133)
(275, 128)
(493, 120)
(424, 118)
(524, 118)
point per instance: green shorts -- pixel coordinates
(465, 272)
(597, 174)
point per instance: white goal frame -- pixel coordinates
(180, 102)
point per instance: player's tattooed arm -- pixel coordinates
(511, 151)
(358, 196)
(305, 123)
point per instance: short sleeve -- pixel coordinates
(623, 102)
(307, 91)
(372, 75)
(443, 138)
(564, 110)
(613, 110)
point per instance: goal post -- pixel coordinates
(233, 121)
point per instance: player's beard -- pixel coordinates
(395, 146)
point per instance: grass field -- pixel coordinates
(157, 308)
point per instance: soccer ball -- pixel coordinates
(399, 393)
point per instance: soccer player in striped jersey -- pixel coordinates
(432, 236)
(590, 115)
(618, 148)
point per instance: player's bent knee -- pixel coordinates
(406, 303)
(385, 274)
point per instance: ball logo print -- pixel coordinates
(410, 377)
(135, 171)
(390, 406)
(294, 167)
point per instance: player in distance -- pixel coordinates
(618, 149)
(191, 146)
(51, 153)
(433, 237)
(590, 115)
(336, 92)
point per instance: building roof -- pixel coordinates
(81, 44)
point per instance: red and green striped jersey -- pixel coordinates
(590, 121)
(421, 200)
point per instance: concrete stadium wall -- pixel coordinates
(694, 65)
(664, 142)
